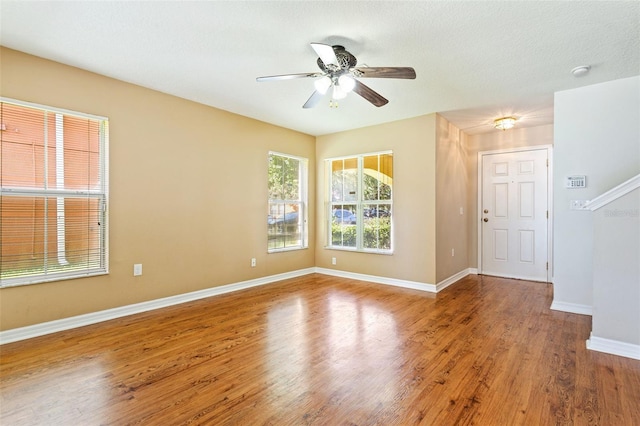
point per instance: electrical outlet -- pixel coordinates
(253, 262)
(461, 210)
(333, 261)
(453, 252)
(137, 269)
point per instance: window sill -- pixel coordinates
(355, 250)
(18, 282)
(271, 251)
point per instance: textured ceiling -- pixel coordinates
(474, 61)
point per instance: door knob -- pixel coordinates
(486, 219)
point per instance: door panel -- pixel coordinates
(514, 219)
(501, 200)
(501, 244)
(527, 246)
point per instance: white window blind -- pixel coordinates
(53, 194)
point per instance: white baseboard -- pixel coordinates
(572, 308)
(415, 285)
(613, 347)
(456, 277)
(41, 329)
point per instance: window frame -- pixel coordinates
(100, 193)
(360, 204)
(302, 202)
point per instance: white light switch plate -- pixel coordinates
(578, 204)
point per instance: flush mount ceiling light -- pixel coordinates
(504, 123)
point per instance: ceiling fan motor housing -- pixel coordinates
(345, 59)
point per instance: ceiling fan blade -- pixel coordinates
(386, 72)
(369, 94)
(326, 53)
(313, 99)
(288, 76)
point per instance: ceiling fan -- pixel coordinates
(340, 74)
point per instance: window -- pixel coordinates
(53, 194)
(287, 215)
(360, 206)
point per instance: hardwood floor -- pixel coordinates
(321, 350)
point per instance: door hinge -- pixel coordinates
(547, 266)
(547, 214)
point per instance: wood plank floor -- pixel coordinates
(321, 350)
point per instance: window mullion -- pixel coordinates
(31, 192)
(60, 207)
(46, 187)
(359, 208)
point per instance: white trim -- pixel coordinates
(415, 285)
(613, 194)
(549, 149)
(55, 326)
(344, 157)
(455, 278)
(53, 109)
(516, 277)
(614, 347)
(572, 308)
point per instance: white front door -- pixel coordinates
(514, 215)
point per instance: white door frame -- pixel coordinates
(549, 149)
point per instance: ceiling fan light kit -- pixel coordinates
(322, 84)
(338, 92)
(504, 123)
(346, 82)
(340, 72)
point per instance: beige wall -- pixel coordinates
(414, 175)
(451, 196)
(188, 194)
(514, 138)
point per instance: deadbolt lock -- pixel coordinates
(486, 211)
